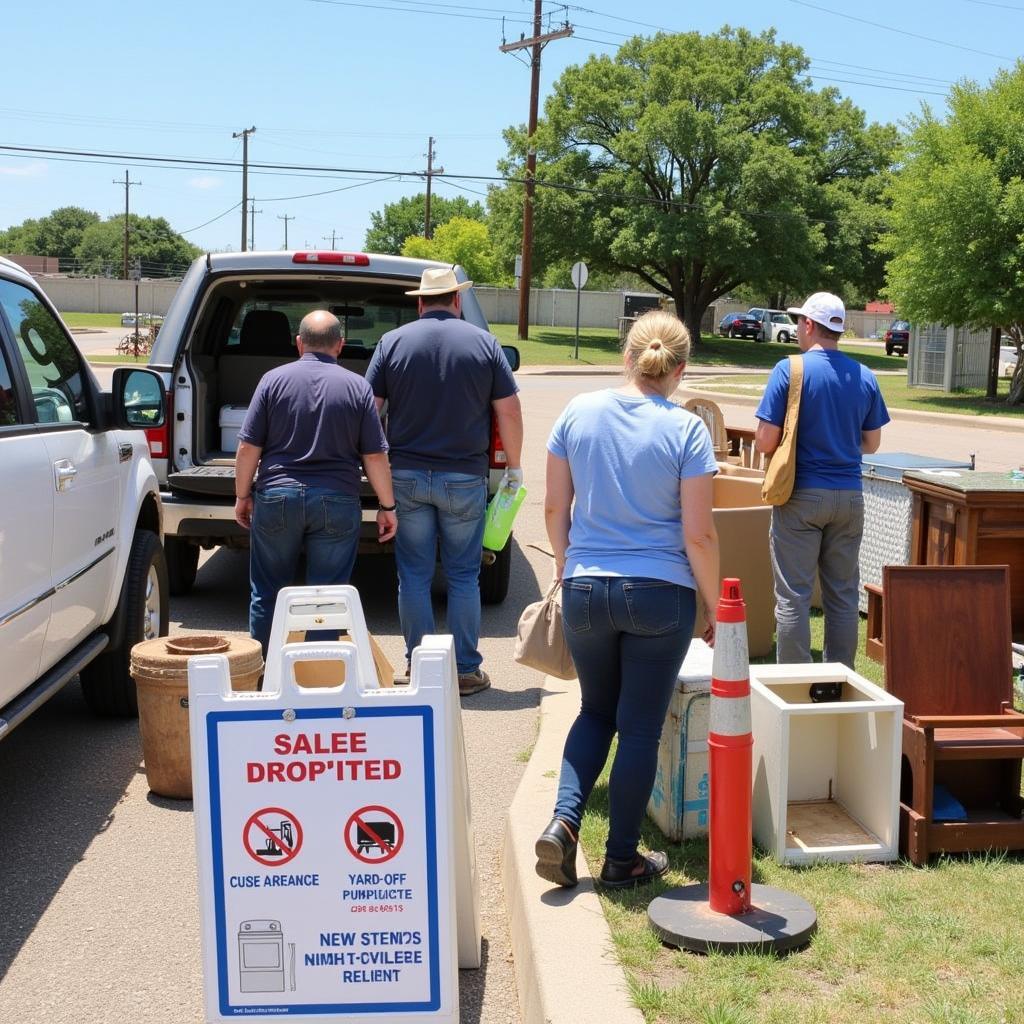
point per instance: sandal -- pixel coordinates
(623, 874)
(556, 854)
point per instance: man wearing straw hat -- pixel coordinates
(442, 378)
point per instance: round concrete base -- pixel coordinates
(777, 921)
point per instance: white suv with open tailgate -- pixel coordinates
(82, 574)
(234, 317)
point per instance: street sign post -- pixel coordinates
(579, 273)
(337, 874)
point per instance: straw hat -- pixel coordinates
(440, 281)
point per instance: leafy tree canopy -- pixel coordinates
(700, 163)
(463, 241)
(390, 227)
(159, 248)
(58, 234)
(89, 245)
(957, 220)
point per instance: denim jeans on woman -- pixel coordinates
(628, 636)
(284, 518)
(445, 507)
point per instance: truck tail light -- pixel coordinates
(159, 438)
(498, 458)
(348, 259)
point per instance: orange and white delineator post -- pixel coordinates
(730, 750)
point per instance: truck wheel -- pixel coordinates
(182, 564)
(107, 683)
(494, 577)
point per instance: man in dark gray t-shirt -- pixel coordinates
(443, 378)
(309, 428)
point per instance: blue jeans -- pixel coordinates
(445, 507)
(817, 530)
(628, 637)
(283, 519)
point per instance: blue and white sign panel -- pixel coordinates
(323, 831)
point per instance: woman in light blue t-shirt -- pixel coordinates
(628, 514)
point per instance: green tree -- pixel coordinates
(700, 163)
(57, 234)
(161, 251)
(957, 235)
(390, 227)
(461, 241)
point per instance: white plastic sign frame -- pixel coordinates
(333, 832)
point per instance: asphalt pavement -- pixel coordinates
(98, 877)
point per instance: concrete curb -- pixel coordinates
(565, 964)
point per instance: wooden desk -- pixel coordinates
(970, 519)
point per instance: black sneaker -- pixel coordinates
(625, 874)
(556, 854)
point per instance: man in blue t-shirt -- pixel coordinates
(819, 529)
(311, 425)
(443, 378)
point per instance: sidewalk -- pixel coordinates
(565, 963)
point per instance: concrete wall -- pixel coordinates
(552, 307)
(103, 295)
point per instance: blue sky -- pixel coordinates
(361, 84)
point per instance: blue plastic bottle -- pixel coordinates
(501, 513)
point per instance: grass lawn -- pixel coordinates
(897, 395)
(898, 944)
(119, 360)
(92, 319)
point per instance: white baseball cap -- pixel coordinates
(823, 308)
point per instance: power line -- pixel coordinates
(900, 31)
(230, 209)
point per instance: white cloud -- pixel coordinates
(34, 169)
(205, 181)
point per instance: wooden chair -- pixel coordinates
(742, 449)
(712, 416)
(947, 656)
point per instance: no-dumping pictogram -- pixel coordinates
(272, 836)
(374, 828)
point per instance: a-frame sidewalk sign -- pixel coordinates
(334, 840)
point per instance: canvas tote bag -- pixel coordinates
(781, 472)
(540, 643)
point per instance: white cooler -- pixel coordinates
(679, 800)
(231, 419)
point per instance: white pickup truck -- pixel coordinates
(82, 574)
(234, 317)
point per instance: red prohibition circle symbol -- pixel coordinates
(374, 828)
(272, 836)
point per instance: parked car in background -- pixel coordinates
(743, 325)
(772, 324)
(727, 321)
(128, 319)
(82, 574)
(897, 338)
(782, 325)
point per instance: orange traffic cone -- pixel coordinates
(730, 748)
(730, 914)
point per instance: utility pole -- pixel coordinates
(431, 171)
(285, 218)
(127, 184)
(252, 222)
(537, 44)
(244, 136)
(334, 235)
